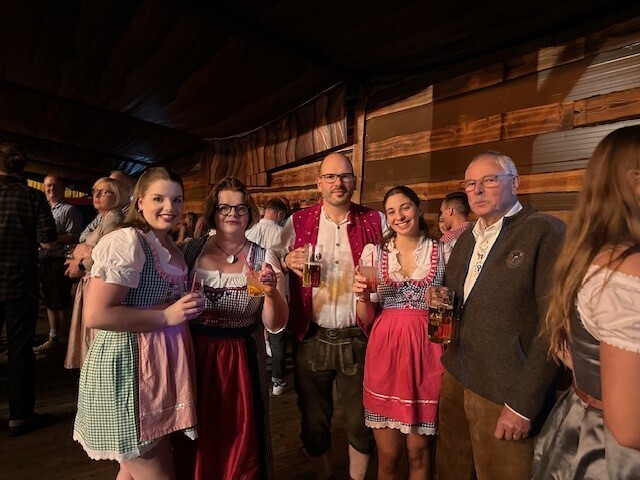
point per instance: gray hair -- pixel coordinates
(503, 161)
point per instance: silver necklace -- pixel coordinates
(230, 258)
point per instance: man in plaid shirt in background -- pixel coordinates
(25, 223)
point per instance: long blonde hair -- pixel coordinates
(606, 216)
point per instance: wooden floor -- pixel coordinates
(51, 454)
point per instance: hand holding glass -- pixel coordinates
(312, 270)
(440, 303)
(370, 272)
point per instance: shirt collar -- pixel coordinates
(327, 218)
(480, 228)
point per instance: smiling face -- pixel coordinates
(53, 189)
(491, 204)
(231, 224)
(403, 216)
(161, 206)
(338, 193)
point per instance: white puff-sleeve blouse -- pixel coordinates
(609, 307)
(118, 257)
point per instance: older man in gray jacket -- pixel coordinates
(498, 377)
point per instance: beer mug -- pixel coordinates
(312, 269)
(440, 303)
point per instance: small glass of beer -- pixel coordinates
(312, 270)
(254, 287)
(440, 303)
(370, 272)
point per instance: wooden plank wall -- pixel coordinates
(546, 109)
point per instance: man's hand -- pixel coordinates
(295, 260)
(511, 426)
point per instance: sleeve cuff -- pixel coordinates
(520, 415)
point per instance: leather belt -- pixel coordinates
(334, 333)
(588, 399)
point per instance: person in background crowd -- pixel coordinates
(497, 386)
(187, 227)
(55, 287)
(266, 233)
(593, 323)
(234, 437)
(453, 220)
(137, 384)
(109, 198)
(329, 346)
(128, 183)
(403, 372)
(26, 222)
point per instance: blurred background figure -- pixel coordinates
(25, 222)
(453, 220)
(187, 227)
(593, 323)
(109, 198)
(55, 286)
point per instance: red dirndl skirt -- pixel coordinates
(403, 373)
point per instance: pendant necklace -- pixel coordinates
(230, 258)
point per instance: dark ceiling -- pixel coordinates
(88, 86)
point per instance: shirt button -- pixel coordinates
(337, 262)
(337, 244)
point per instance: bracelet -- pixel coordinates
(363, 299)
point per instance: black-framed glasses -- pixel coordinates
(488, 181)
(101, 192)
(332, 177)
(241, 209)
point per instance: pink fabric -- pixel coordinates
(403, 373)
(167, 381)
(80, 337)
(364, 227)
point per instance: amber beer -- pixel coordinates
(311, 273)
(440, 305)
(440, 319)
(312, 269)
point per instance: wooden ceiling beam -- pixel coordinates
(69, 122)
(256, 34)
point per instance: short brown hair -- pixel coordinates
(12, 157)
(275, 204)
(234, 185)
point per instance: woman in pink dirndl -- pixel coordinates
(403, 372)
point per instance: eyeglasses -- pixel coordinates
(488, 181)
(332, 177)
(224, 209)
(101, 192)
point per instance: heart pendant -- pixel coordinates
(231, 259)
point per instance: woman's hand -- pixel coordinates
(360, 287)
(82, 251)
(267, 277)
(73, 268)
(564, 354)
(186, 308)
